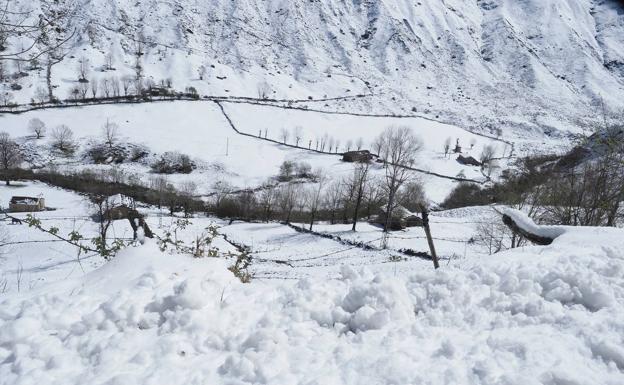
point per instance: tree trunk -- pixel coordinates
(389, 212)
(356, 210)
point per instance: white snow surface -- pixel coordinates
(526, 223)
(200, 130)
(536, 315)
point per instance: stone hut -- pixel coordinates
(19, 204)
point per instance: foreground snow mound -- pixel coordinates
(551, 315)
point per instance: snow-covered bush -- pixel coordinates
(173, 163)
(466, 194)
(103, 154)
(290, 170)
(63, 139)
(100, 153)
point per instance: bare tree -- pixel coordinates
(126, 83)
(94, 87)
(37, 127)
(493, 236)
(323, 142)
(44, 35)
(6, 98)
(106, 86)
(10, 156)
(359, 180)
(188, 189)
(268, 199)
(590, 195)
(159, 184)
(314, 196)
(264, 90)
(139, 44)
(74, 93)
(84, 90)
(104, 206)
(63, 138)
(298, 135)
(412, 196)
(110, 132)
(333, 198)
(41, 95)
(487, 154)
(201, 72)
(399, 147)
(138, 79)
(285, 135)
(53, 58)
(222, 189)
(374, 196)
(83, 69)
(359, 142)
(5, 239)
(377, 146)
(348, 145)
(288, 198)
(447, 146)
(115, 86)
(108, 61)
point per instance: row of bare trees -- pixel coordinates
(357, 195)
(324, 143)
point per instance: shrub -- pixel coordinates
(286, 171)
(103, 154)
(466, 194)
(138, 153)
(290, 170)
(173, 163)
(63, 140)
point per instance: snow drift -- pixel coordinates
(538, 315)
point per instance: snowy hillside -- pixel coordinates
(537, 315)
(200, 130)
(524, 64)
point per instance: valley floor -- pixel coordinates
(342, 315)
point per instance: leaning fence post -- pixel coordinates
(425, 219)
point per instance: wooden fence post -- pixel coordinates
(425, 218)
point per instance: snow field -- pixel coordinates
(200, 130)
(550, 315)
(342, 127)
(35, 258)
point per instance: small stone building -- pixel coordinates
(357, 156)
(413, 221)
(401, 218)
(20, 204)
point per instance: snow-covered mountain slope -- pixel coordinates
(524, 64)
